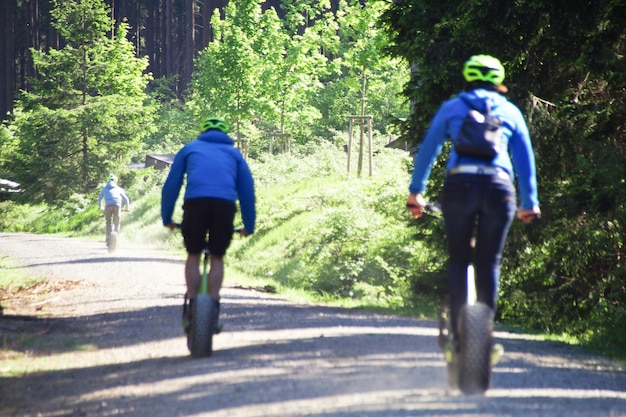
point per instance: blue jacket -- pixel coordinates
(447, 124)
(214, 169)
(113, 195)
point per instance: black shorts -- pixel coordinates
(212, 216)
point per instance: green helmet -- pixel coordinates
(112, 177)
(483, 68)
(214, 123)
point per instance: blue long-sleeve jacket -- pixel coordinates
(113, 195)
(447, 124)
(214, 168)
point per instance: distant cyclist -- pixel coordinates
(114, 198)
(478, 195)
(217, 176)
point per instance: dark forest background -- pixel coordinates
(169, 32)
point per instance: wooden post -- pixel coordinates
(349, 150)
(364, 122)
(369, 145)
(242, 145)
(284, 144)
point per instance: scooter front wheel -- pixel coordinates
(475, 346)
(112, 244)
(200, 336)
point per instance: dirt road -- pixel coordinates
(104, 338)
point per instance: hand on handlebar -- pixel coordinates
(415, 203)
(243, 232)
(527, 215)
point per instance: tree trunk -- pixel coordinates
(167, 43)
(152, 38)
(187, 67)
(168, 34)
(206, 12)
(7, 68)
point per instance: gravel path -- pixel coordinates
(103, 338)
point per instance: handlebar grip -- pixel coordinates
(431, 207)
(532, 216)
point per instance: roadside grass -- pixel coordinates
(24, 335)
(33, 352)
(11, 276)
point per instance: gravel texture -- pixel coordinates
(103, 337)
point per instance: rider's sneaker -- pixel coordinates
(496, 353)
(450, 352)
(187, 314)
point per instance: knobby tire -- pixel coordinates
(112, 242)
(200, 338)
(476, 343)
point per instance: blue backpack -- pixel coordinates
(480, 135)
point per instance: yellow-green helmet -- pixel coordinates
(483, 68)
(214, 123)
(112, 178)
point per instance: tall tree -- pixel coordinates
(189, 41)
(292, 65)
(226, 80)
(85, 114)
(362, 44)
(300, 14)
(360, 74)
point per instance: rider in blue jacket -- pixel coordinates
(216, 176)
(478, 194)
(114, 198)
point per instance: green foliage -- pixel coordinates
(563, 273)
(176, 124)
(363, 80)
(70, 217)
(572, 283)
(302, 76)
(291, 66)
(557, 54)
(227, 69)
(8, 144)
(86, 112)
(330, 234)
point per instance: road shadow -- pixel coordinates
(277, 358)
(104, 260)
(39, 336)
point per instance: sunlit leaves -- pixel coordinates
(86, 112)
